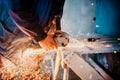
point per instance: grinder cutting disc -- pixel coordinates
(61, 38)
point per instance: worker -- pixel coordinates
(38, 19)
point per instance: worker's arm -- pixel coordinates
(32, 19)
(24, 17)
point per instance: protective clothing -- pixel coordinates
(33, 17)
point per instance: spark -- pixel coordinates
(85, 39)
(31, 51)
(118, 39)
(90, 77)
(92, 4)
(88, 34)
(81, 66)
(97, 26)
(115, 52)
(107, 45)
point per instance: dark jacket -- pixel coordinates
(32, 16)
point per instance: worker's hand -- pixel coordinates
(48, 43)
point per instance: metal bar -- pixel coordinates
(82, 68)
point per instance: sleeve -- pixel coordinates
(6, 24)
(8, 29)
(27, 23)
(22, 15)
